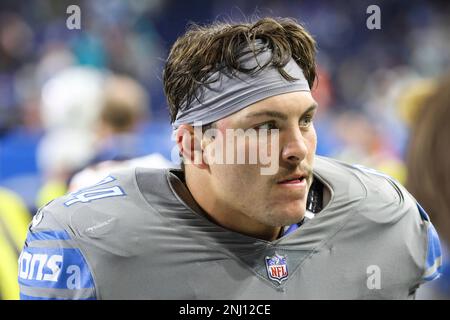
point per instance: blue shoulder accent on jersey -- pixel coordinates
(25, 297)
(53, 267)
(47, 235)
(433, 263)
(422, 212)
(62, 268)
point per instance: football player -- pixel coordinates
(286, 224)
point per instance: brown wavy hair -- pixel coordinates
(428, 159)
(203, 50)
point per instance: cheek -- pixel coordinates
(240, 181)
(311, 140)
(265, 148)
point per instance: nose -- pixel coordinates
(294, 149)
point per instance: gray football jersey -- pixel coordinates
(138, 234)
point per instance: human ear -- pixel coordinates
(189, 141)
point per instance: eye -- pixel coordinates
(306, 121)
(266, 126)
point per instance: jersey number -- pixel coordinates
(87, 194)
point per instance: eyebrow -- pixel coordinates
(279, 115)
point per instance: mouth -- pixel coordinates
(297, 179)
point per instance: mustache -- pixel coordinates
(304, 168)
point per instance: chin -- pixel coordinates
(282, 214)
(295, 212)
(283, 218)
(294, 218)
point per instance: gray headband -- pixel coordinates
(233, 92)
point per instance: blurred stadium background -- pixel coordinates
(53, 80)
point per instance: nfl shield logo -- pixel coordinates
(277, 268)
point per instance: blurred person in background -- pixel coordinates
(426, 108)
(124, 108)
(92, 120)
(70, 108)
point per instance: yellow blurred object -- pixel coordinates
(413, 98)
(393, 168)
(14, 220)
(51, 190)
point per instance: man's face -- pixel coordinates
(241, 190)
